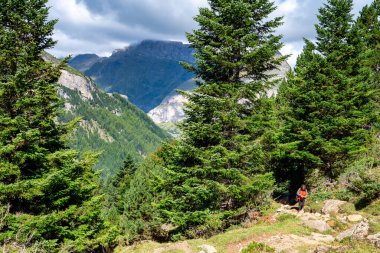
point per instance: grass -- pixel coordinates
(348, 208)
(359, 247)
(286, 224)
(373, 208)
(314, 206)
(254, 247)
(290, 225)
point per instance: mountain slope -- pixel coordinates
(84, 61)
(170, 110)
(146, 72)
(110, 124)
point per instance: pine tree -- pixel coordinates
(365, 37)
(335, 21)
(328, 111)
(216, 173)
(119, 184)
(48, 189)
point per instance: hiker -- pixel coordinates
(301, 196)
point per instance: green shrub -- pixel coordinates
(321, 196)
(344, 195)
(314, 206)
(212, 225)
(348, 208)
(284, 217)
(255, 247)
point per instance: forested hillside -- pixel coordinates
(109, 124)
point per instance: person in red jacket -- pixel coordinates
(301, 196)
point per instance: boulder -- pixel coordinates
(322, 238)
(319, 225)
(354, 218)
(208, 248)
(323, 249)
(358, 232)
(332, 223)
(332, 206)
(375, 239)
(308, 216)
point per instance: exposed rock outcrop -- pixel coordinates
(358, 232)
(374, 239)
(171, 108)
(77, 82)
(332, 206)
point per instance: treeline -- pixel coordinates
(112, 126)
(238, 148)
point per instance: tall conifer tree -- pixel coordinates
(47, 189)
(328, 111)
(216, 172)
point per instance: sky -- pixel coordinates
(101, 26)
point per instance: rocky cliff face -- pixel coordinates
(82, 84)
(171, 109)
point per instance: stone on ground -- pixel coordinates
(322, 238)
(332, 223)
(375, 239)
(207, 249)
(354, 218)
(322, 249)
(358, 232)
(332, 206)
(319, 225)
(288, 243)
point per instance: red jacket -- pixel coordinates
(301, 194)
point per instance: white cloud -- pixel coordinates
(100, 26)
(293, 49)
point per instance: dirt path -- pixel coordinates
(184, 246)
(238, 246)
(280, 242)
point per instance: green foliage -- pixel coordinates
(328, 106)
(140, 218)
(362, 179)
(284, 217)
(209, 179)
(321, 196)
(254, 247)
(115, 186)
(112, 126)
(47, 190)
